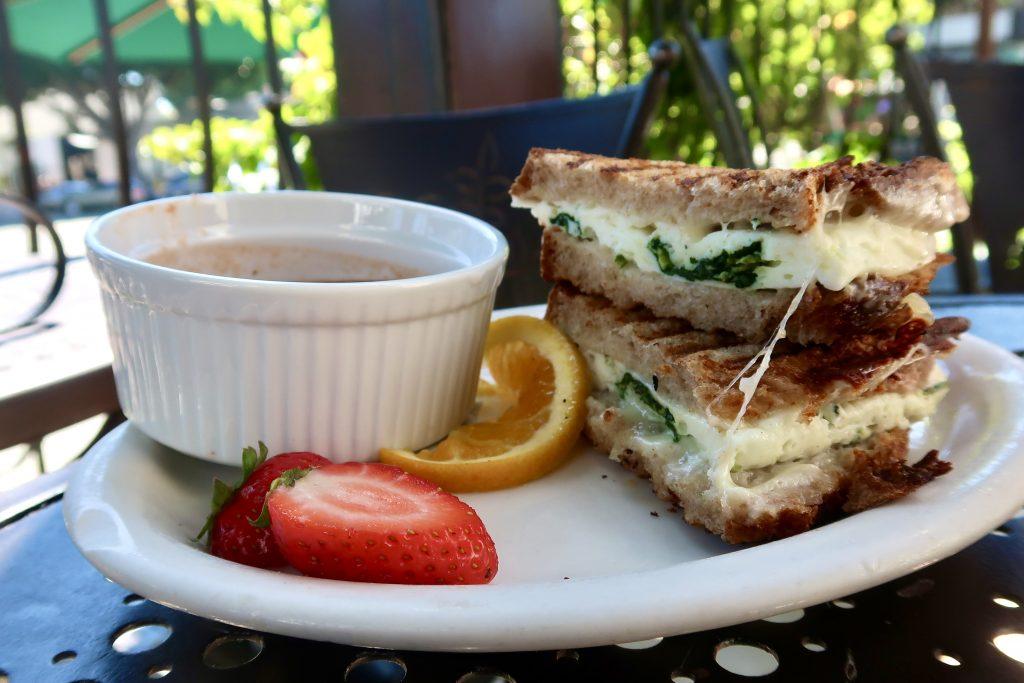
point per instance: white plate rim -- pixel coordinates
(579, 613)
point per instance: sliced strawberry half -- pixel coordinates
(374, 522)
(231, 533)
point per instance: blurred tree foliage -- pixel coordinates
(823, 74)
(822, 71)
(245, 155)
(823, 77)
(302, 34)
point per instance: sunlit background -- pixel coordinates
(821, 72)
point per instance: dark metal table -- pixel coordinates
(957, 620)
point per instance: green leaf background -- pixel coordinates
(823, 74)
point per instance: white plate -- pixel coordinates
(583, 561)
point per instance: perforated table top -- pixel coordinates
(958, 620)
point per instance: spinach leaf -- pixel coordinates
(642, 394)
(738, 268)
(621, 261)
(569, 223)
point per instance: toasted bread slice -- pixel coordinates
(695, 368)
(775, 501)
(921, 194)
(824, 432)
(872, 303)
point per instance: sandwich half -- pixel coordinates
(823, 432)
(731, 250)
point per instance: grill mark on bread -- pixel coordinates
(855, 359)
(939, 337)
(921, 193)
(695, 366)
(810, 376)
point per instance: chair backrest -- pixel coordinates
(989, 99)
(917, 85)
(711, 62)
(918, 90)
(467, 160)
(35, 220)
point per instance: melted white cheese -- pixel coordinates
(748, 385)
(841, 251)
(780, 437)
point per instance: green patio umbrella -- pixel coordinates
(51, 38)
(145, 32)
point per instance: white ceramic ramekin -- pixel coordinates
(208, 364)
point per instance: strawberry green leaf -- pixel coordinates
(222, 492)
(221, 495)
(248, 461)
(287, 478)
(251, 460)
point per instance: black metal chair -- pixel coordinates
(35, 219)
(989, 99)
(467, 160)
(711, 62)
(917, 84)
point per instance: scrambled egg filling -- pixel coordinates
(780, 437)
(749, 255)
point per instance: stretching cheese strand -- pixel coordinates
(748, 385)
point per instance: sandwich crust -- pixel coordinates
(842, 480)
(696, 367)
(869, 303)
(920, 194)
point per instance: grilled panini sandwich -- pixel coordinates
(824, 432)
(757, 340)
(728, 249)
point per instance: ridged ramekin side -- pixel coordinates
(208, 387)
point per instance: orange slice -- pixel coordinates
(527, 420)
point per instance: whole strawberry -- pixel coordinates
(231, 532)
(374, 522)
